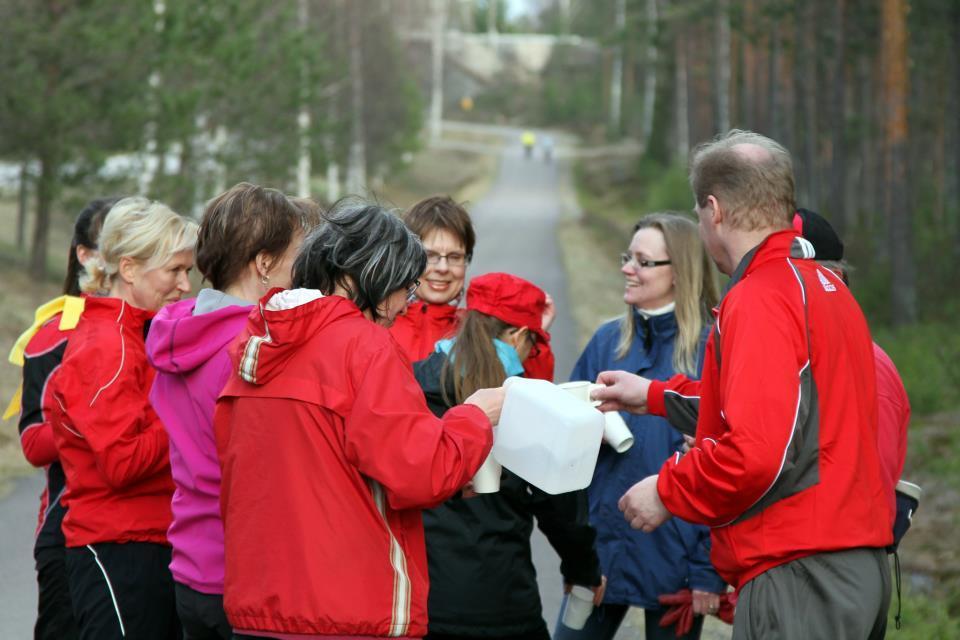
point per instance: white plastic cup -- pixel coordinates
(578, 608)
(487, 478)
(582, 389)
(616, 433)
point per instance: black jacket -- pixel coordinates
(482, 579)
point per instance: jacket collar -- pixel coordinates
(117, 310)
(445, 311)
(649, 335)
(778, 245)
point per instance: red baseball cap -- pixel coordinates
(514, 300)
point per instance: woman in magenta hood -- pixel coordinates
(248, 238)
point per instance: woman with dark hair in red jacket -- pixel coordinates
(112, 446)
(39, 351)
(329, 452)
(446, 231)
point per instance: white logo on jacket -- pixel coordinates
(825, 282)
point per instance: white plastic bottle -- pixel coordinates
(547, 436)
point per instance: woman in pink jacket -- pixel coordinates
(247, 240)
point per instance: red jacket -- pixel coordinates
(112, 446)
(785, 464)
(329, 453)
(424, 324)
(893, 418)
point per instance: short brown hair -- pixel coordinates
(757, 192)
(441, 212)
(310, 210)
(240, 223)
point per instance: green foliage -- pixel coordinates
(923, 618)
(927, 355)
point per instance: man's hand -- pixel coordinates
(641, 506)
(622, 392)
(705, 603)
(549, 313)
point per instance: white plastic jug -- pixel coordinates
(547, 436)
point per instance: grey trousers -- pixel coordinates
(831, 596)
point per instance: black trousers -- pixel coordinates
(123, 591)
(201, 615)
(54, 608)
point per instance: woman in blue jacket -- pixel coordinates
(670, 290)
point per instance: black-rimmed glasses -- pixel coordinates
(626, 258)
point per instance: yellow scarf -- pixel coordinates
(71, 307)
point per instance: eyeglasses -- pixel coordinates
(626, 258)
(412, 288)
(453, 259)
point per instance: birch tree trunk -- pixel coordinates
(616, 75)
(304, 168)
(357, 169)
(438, 22)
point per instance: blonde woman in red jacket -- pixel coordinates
(112, 446)
(329, 452)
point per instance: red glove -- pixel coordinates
(680, 611)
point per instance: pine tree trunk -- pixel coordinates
(23, 192)
(776, 116)
(649, 75)
(722, 61)
(899, 213)
(46, 194)
(952, 187)
(838, 107)
(683, 103)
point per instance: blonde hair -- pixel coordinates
(696, 290)
(148, 232)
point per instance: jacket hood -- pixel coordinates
(284, 321)
(179, 341)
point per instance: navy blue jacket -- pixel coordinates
(641, 566)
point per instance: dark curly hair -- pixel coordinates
(364, 249)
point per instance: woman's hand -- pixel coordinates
(598, 590)
(549, 313)
(490, 401)
(705, 603)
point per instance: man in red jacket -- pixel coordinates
(780, 469)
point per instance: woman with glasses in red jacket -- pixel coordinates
(446, 231)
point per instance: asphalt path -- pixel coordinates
(18, 582)
(516, 223)
(516, 232)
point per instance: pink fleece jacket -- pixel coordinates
(189, 352)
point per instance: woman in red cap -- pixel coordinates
(446, 231)
(482, 580)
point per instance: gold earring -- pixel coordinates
(265, 279)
